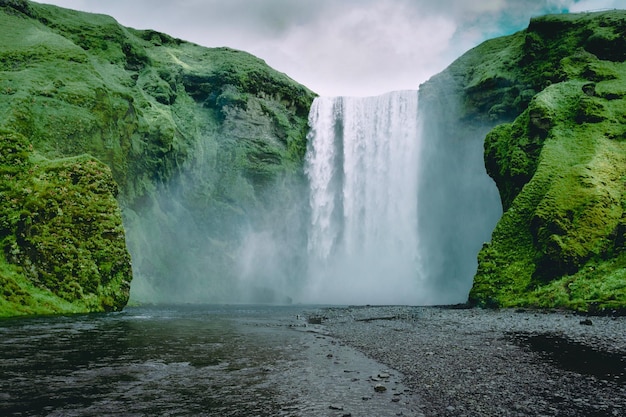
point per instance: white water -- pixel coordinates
(362, 165)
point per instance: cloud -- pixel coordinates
(356, 52)
(595, 5)
(348, 47)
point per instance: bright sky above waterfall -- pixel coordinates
(340, 47)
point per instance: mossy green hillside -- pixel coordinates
(212, 127)
(559, 162)
(61, 233)
(203, 141)
(138, 100)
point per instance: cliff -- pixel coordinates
(198, 153)
(553, 99)
(102, 122)
(62, 233)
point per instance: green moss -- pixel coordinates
(560, 168)
(597, 287)
(61, 232)
(20, 297)
(212, 128)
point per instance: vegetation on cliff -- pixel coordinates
(186, 132)
(60, 223)
(556, 94)
(198, 149)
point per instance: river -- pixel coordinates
(186, 361)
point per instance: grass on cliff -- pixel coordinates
(561, 241)
(559, 161)
(62, 241)
(77, 83)
(20, 297)
(213, 125)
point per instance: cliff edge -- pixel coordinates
(554, 98)
(102, 123)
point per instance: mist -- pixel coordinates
(391, 207)
(190, 247)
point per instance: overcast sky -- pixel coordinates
(340, 47)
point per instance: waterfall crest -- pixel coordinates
(362, 166)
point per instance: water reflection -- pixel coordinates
(574, 356)
(144, 361)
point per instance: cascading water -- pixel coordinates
(400, 201)
(399, 207)
(362, 167)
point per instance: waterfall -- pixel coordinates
(362, 166)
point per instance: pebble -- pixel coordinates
(472, 359)
(380, 388)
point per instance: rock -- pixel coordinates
(586, 322)
(380, 388)
(335, 407)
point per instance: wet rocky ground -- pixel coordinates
(313, 362)
(472, 362)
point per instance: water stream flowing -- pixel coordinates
(400, 202)
(188, 361)
(362, 167)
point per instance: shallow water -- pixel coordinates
(181, 361)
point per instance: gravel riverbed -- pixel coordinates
(473, 362)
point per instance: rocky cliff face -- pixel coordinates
(554, 98)
(193, 137)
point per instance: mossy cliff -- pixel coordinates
(555, 98)
(200, 152)
(62, 235)
(180, 135)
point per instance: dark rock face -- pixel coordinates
(193, 137)
(553, 97)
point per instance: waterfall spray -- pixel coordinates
(362, 165)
